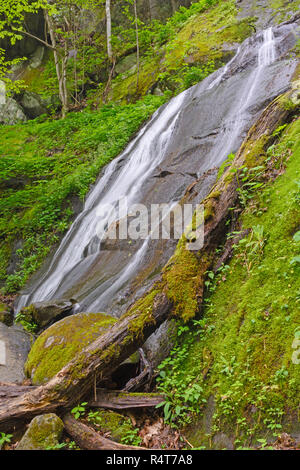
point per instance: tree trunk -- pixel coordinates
(61, 69)
(137, 45)
(88, 439)
(94, 363)
(108, 30)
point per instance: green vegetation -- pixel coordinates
(238, 357)
(44, 165)
(4, 439)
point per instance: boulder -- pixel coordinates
(60, 343)
(36, 58)
(44, 313)
(6, 314)
(43, 433)
(14, 348)
(33, 105)
(10, 111)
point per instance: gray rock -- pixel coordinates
(14, 348)
(126, 64)
(10, 111)
(43, 433)
(44, 313)
(37, 58)
(33, 105)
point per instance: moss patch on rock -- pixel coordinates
(60, 343)
(44, 433)
(117, 425)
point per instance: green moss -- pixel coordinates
(43, 433)
(255, 152)
(182, 275)
(60, 343)
(240, 352)
(113, 423)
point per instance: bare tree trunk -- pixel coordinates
(108, 30)
(61, 71)
(137, 45)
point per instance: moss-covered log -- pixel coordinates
(116, 400)
(95, 362)
(88, 439)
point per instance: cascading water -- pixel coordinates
(214, 114)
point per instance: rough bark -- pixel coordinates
(9, 391)
(108, 30)
(116, 400)
(60, 65)
(88, 439)
(94, 363)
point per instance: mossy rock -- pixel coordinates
(44, 433)
(6, 315)
(60, 343)
(113, 423)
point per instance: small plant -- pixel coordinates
(131, 437)
(79, 410)
(29, 326)
(251, 248)
(60, 446)
(4, 439)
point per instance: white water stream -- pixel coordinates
(142, 157)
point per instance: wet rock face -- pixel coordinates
(43, 433)
(14, 347)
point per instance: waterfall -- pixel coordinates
(238, 114)
(127, 175)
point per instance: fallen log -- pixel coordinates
(118, 400)
(9, 391)
(94, 363)
(88, 439)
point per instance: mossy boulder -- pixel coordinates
(6, 314)
(60, 343)
(117, 425)
(44, 433)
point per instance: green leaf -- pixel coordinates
(296, 237)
